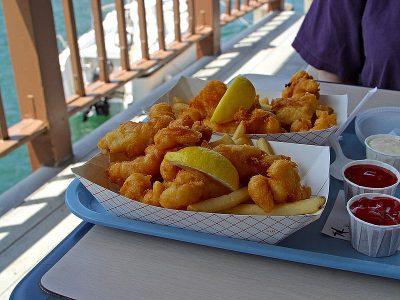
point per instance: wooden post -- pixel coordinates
(123, 41)
(3, 124)
(100, 43)
(72, 36)
(34, 54)
(208, 12)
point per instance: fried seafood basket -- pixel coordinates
(186, 88)
(313, 162)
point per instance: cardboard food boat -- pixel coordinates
(313, 163)
(186, 88)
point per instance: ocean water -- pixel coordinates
(15, 166)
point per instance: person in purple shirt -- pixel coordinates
(353, 41)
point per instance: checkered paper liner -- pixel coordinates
(317, 137)
(313, 163)
(252, 228)
(186, 88)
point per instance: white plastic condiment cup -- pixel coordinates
(351, 189)
(370, 239)
(371, 153)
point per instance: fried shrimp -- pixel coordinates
(161, 110)
(152, 197)
(248, 160)
(288, 110)
(168, 171)
(259, 121)
(208, 98)
(188, 187)
(324, 120)
(301, 83)
(172, 137)
(260, 192)
(136, 186)
(132, 138)
(148, 164)
(284, 181)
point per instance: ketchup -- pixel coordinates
(378, 210)
(370, 176)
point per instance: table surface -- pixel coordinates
(243, 275)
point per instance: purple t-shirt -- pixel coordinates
(358, 40)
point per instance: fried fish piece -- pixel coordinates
(180, 136)
(300, 84)
(300, 125)
(284, 181)
(148, 164)
(259, 121)
(208, 98)
(324, 120)
(190, 186)
(248, 160)
(260, 192)
(136, 186)
(162, 109)
(132, 138)
(288, 110)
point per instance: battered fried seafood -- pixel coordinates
(208, 98)
(288, 110)
(148, 164)
(190, 186)
(281, 185)
(132, 138)
(300, 84)
(172, 137)
(248, 160)
(136, 186)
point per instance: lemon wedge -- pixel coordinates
(241, 93)
(207, 161)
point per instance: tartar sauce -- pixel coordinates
(386, 144)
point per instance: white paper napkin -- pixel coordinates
(338, 223)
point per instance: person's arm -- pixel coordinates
(326, 76)
(330, 39)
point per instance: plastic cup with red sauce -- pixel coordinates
(374, 224)
(369, 176)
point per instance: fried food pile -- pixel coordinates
(266, 180)
(297, 110)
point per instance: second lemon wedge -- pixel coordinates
(241, 93)
(207, 161)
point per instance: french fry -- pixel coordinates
(265, 146)
(224, 140)
(302, 207)
(240, 131)
(221, 203)
(244, 140)
(240, 137)
(264, 103)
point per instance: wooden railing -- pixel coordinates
(33, 48)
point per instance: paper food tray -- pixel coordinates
(186, 88)
(313, 162)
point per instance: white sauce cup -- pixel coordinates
(371, 153)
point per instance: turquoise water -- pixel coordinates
(15, 166)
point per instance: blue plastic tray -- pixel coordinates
(307, 245)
